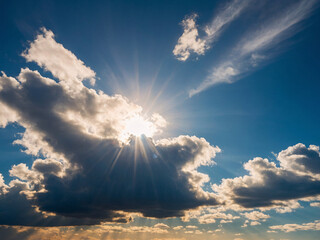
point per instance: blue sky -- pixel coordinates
(220, 89)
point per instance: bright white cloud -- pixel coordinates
(53, 57)
(190, 41)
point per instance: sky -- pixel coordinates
(170, 120)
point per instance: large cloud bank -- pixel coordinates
(88, 169)
(85, 172)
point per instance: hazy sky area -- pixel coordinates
(160, 120)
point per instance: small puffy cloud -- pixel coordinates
(315, 204)
(191, 227)
(255, 215)
(208, 215)
(161, 225)
(189, 42)
(177, 228)
(226, 221)
(255, 223)
(315, 226)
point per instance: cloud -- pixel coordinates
(251, 51)
(228, 14)
(53, 57)
(208, 215)
(85, 172)
(315, 204)
(268, 185)
(161, 225)
(191, 42)
(315, 226)
(255, 215)
(104, 231)
(177, 228)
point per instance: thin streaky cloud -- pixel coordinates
(277, 29)
(226, 16)
(191, 42)
(251, 51)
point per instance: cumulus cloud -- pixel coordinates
(190, 41)
(268, 185)
(88, 167)
(298, 227)
(315, 204)
(208, 215)
(255, 215)
(251, 51)
(53, 57)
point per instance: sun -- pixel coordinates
(138, 126)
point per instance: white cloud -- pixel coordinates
(315, 204)
(208, 215)
(229, 13)
(191, 227)
(53, 57)
(298, 227)
(161, 225)
(251, 50)
(177, 228)
(191, 42)
(255, 223)
(255, 215)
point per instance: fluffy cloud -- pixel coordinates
(255, 215)
(191, 42)
(208, 215)
(298, 227)
(53, 57)
(268, 185)
(88, 167)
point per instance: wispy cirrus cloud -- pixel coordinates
(190, 41)
(251, 51)
(226, 15)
